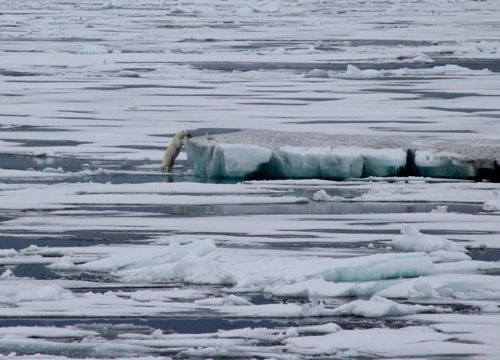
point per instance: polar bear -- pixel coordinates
(173, 150)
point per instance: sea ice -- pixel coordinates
(378, 267)
(8, 253)
(281, 155)
(404, 342)
(51, 292)
(378, 306)
(411, 239)
(493, 204)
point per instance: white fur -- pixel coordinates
(173, 150)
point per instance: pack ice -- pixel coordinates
(285, 155)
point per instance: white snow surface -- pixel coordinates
(104, 257)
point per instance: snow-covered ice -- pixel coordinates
(373, 122)
(266, 154)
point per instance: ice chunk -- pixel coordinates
(327, 328)
(440, 209)
(64, 263)
(276, 311)
(378, 306)
(354, 71)
(378, 267)
(444, 164)
(322, 195)
(128, 73)
(384, 162)
(487, 47)
(43, 293)
(215, 160)
(448, 256)
(195, 263)
(227, 300)
(7, 274)
(8, 253)
(312, 288)
(493, 204)
(403, 342)
(413, 240)
(317, 73)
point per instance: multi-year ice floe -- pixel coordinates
(281, 155)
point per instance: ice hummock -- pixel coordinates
(286, 155)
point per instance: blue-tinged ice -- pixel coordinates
(444, 164)
(380, 267)
(213, 160)
(282, 155)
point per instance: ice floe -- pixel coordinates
(493, 204)
(378, 306)
(413, 240)
(269, 155)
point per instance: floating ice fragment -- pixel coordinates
(378, 307)
(157, 334)
(64, 263)
(379, 267)
(321, 195)
(493, 204)
(449, 69)
(487, 47)
(7, 274)
(227, 300)
(327, 328)
(413, 240)
(53, 170)
(8, 253)
(403, 342)
(128, 73)
(43, 293)
(195, 263)
(276, 311)
(440, 256)
(32, 249)
(317, 73)
(440, 209)
(354, 71)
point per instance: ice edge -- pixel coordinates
(244, 156)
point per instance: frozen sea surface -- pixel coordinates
(102, 256)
